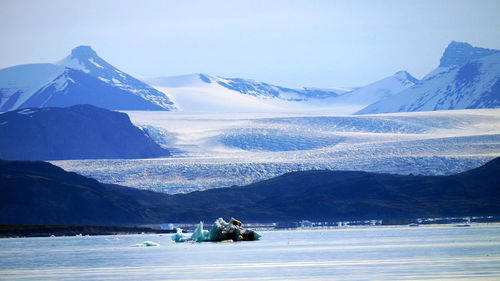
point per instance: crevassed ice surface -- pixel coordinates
(216, 150)
(403, 253)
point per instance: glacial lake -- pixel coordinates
(395, 253)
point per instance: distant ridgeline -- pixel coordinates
(467, 78)
(41, 193)
(77, 132)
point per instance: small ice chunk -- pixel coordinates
(146, 244)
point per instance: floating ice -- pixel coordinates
(146, 244)
(221, 231)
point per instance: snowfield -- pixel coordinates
(201, 93)
(218, 150)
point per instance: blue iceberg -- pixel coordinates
(221, 231)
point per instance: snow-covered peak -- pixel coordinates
(83, 53)
(474, 84)
(85, 59)
(459, 53)
(378, 90)
(404, 75)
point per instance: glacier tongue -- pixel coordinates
(210, 154)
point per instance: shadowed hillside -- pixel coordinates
(76, 132)
(40, 193)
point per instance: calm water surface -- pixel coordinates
(421, 253)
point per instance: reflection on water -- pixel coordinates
(357, 254)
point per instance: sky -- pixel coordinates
(288, 43)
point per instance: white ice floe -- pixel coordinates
(146, 244)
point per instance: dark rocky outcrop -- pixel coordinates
(76, 132)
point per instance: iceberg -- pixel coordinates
(221, 231)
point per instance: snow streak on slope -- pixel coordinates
(224, 149)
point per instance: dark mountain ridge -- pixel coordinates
(76, 132)
(40, 193)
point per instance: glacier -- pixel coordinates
(218, 150)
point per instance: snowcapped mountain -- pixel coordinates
(85, 59)
(467, 78)
(19, 83)
(254, 88)
(198, 93)
(205, 93)
(246, 86)
(81, 78)
(378, 90)
(459, 53)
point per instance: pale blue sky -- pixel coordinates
(289, 43)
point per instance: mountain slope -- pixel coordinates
(85, 59)
(454, 85)
(81, 78)
(38, 192)
(205, 93)
(459, 53)
(19, 83)
(245, 86)
(74, 87)
(77, 132)
(379, 90)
